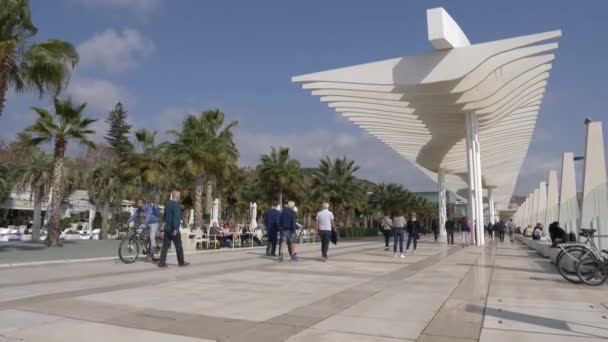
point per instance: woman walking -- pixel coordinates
(387, 227)
(399, 231)
(413, 229)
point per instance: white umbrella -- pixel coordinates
(254, 213)
(191, 218)
(215, 213)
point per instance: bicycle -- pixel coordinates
(593, 271)
(138, 239)
(571, 254)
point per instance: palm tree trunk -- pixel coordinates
(54, 228)
(3, 81)
(199, 184)
(37, 214)
(105, 220)
(209, 195)
(281, 198)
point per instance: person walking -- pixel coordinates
(387, 227)
(173, 218)
(324, 225)
(511, 229)
(287, 227)
(271, 222)
(413, 230)
(449, 228)
(500, 227)
(465, 230)
(398, 233)
(435, 229)
(149, 216)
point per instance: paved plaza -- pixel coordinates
(491, 293)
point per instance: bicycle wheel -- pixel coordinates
(592, 271)
(566, 262)
(128, 250)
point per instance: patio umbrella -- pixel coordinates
(254, 213)
(191, 218)
(215, 213)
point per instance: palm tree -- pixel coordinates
(104, 188)
(279, 173)
(335, 182)
(149, 164)
(67, 123)
(389, 197)
(5, 180)
(34, 173)
(204, 148)
(43, 66)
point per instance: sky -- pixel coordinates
(163, 59)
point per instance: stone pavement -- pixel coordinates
(25, 252)
(497, 293)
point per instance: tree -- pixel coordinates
(204, 148)
(34, 173)
(389, 197)
(43, 66)
(278, 172)
(149, 164)
(104, 188)
(336, 183)
(5, 180)
(117, 135)
(67, 123)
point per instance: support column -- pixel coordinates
(474, 171)
(552, 198)
(491, 205)
(442, 204)
(594, 211)
(542, 206)
(569, 211)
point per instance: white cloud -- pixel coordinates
(115, 51)
(100, 95)
(137, 6)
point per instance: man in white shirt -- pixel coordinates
(324, 223)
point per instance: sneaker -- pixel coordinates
(162, 265)
(295, 258)
(386, 249)
(323, 259)
(402, 256)
(184, 264)
(280, 258)
(395, 256)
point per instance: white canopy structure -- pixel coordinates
(464, 113)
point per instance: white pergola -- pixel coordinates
(463, 113)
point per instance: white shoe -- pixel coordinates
(395, 256)
(402, 256)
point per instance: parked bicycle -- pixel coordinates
(136, 241)
(571, 255)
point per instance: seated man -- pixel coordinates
(226, 235)
(557, 234)
(537, 233)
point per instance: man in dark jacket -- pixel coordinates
(413, 229)
(435, 229)
(449, 228)
(271, 222)
(173, 219)
(287, 227)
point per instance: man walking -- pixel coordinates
(465, 229)
(324, 224)
(435, 229)
(149, 217)
(287, 227)
(511, 229)
(500, 227)
(413, 229)
(173, 218)
(387, 227)
(449, 228)
(271, 222)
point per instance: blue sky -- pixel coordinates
(165, 58)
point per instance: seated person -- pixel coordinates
(226, 235)
(557, 234)
(528, 231)
(537, 233)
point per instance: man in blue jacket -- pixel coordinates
(150, 217)
(173, 219)
(271, 222)
(287, 227)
